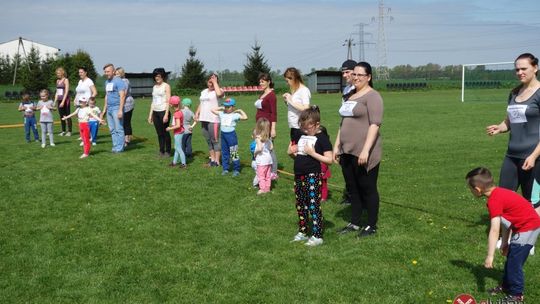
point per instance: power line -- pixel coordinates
(382, 66)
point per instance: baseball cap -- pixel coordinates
(229, 102)
(83, 99)
(186, 102)
(174, 101)
(348, 65)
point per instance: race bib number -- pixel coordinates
(516, 113)
(28, 108)
(109, 87)
(258, 104)
(227, 120)
(60, 92)
(346, 109)
(305, 140)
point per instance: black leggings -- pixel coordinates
(512, 176)
(65, 111)
(127, 123)
(164, 138)
(362, 187)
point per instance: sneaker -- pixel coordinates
(68, 134)
(62, 134)
(166, 154)
(43, 145)
(532, 251)
(80, 138)
(235, 173)
(183, 166)
(512, 299)
(214, 164)
(84, 156)
(53, 145)
(93, 144)
(300, 237)
(172, 165)
(496, 290)
(225, 172)
(349, 228)
(314, 241)
(367, 231)
(273, 176)
(81, 144)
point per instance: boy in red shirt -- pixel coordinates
(519, 218)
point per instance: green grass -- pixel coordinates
(128, 229)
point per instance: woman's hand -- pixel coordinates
(150, 121)
(493, 130)
(529, 162)
(165, 118)
(363, 158)
(61, 104)
(273, 134)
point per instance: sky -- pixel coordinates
(140, 35)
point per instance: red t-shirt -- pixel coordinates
(178, 115)
(514, 208)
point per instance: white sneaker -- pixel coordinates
(299, 237)
(81, 144)
(80, 138)
(52, 145)
(532, 251)
(61, 134)
(43, 145)
(84, 156)
(68, 134)
(314, 241)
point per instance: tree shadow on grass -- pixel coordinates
(480, 273)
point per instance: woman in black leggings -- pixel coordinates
(159, 111)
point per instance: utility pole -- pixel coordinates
(382, 65)
(361, 42)
(349, 43)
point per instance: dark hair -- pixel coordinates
(108, 65)
(161, 72)
(266, 77)
(367, 67)
(324, 131)
(479, 177)
(533, 61)
(312, 114)
(83, 68)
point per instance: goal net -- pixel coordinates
(487, 81)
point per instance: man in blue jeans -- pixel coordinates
(114, 107)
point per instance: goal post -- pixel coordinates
(488, 69)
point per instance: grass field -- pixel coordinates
(128, 229)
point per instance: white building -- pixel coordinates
(22, 45)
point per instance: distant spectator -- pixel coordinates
(129, 106)
(113, 107)
(267, 108)
(62, 100)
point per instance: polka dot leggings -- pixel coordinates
(307, 189)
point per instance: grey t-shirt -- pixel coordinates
(188, 119)
(45, 113)
(524, 120)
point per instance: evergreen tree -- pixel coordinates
(33, 78)
(6, 70)
(193, 73)
(256, 64)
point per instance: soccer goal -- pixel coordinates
(487, 81)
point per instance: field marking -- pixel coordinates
(21, 125)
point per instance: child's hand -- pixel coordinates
(309, 150)
(168, 129)
(488, 263)
(64, 118)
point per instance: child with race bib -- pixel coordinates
(46, 106)
(93, 123)
(309, 151)
(228, 116)
(28, 107)
(84, 113)
(178, 128)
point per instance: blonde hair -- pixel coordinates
(295, 76)
(121, 71)
(262, 129)
(61, 70)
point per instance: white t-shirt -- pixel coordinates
(302, 96)
(96, 111)
(46, 114)
(83, 89)
(208, 101)
(264, 157)
(159, 98)
(83, 114)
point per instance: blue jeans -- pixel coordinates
(116, 126)
(229, 150)
(513, 279)
(30, 123)
(178, 152)
(94, 126)
(186, 144)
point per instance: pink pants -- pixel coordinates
(263, 174)
(85, 136)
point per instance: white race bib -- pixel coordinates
(258, 104)
(109, 87)
(45, 110)
(516, 113)
(346, 109)
(227, 120)
(306, 140)
(60, 92)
